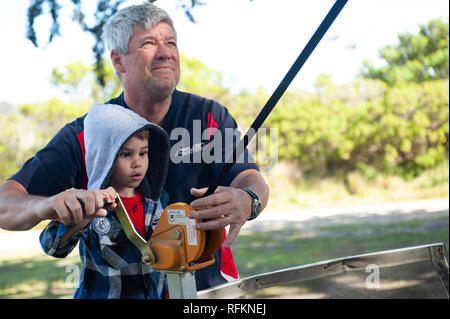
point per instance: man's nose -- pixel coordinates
(163, 52)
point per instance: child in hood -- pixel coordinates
(128, 156)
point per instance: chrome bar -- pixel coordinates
(388, 258)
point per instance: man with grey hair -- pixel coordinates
(143, 45)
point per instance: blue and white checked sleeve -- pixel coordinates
(51, 236)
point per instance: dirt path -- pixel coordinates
(311, 219)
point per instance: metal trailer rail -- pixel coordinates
(389, 258)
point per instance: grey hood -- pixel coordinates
(106, 128)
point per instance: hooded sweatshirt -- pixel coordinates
(106, 129)
(111, 264)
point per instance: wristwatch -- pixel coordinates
(256, 204)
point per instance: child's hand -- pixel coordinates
(109, 195)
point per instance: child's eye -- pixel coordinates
(124, 154)
(143, 153)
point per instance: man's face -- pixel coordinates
(152, 62)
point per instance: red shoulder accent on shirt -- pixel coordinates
(212, 125)
(227, 267)
(84, 180)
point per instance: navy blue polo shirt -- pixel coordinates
(193, 124)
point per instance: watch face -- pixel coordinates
(258, 208)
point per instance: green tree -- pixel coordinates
(78, 81)
(401, 129)
(12, 141)
(416, 57)
(29, 129)
(198, 78)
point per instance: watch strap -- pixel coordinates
(251, 193)
(255, 203)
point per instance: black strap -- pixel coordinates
(279, 91)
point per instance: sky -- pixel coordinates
(253, 43)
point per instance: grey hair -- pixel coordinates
(119, 28)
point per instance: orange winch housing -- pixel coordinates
(177, 245)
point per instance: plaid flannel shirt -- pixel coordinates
(111, 264)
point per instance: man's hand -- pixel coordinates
(108, 197)
(66, 207)
(22, 211)
(228, 206)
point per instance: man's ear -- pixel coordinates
(116, 59)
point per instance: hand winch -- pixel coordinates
(175, 244)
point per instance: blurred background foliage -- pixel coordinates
(387, 129)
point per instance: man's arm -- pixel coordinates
(231, 202)
(21, 211)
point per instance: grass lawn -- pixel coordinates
(261, 252)
(40, 276)
(254, 253)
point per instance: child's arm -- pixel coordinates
(75, 229)
(50, 239)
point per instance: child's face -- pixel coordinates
(131, 166)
